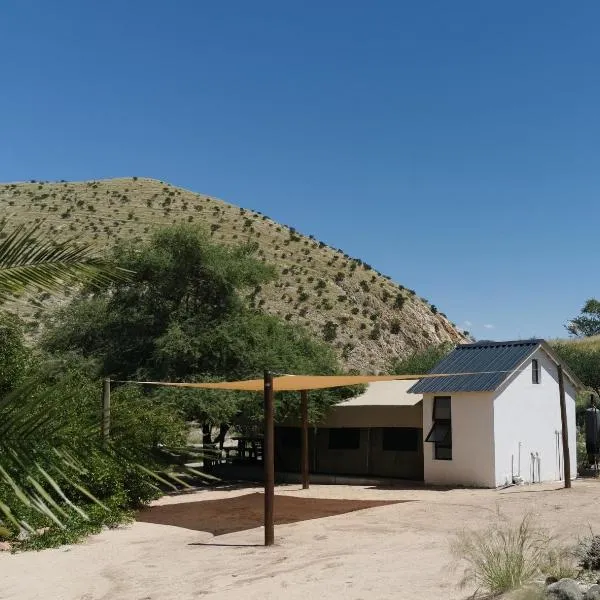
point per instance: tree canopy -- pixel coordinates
(182, 318)
(587, 323)
(420, 361)
(584, 360)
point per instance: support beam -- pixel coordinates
(269, 460)
(105, 424)
(565, 428)
(304, 439)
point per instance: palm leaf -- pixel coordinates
(28, 262)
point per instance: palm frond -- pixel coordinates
(27, 261)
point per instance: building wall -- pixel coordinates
(369, 458)
(342, 462)
(400, 464)
(374, 416)
(529, 414)
(472, 461)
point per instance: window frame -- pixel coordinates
(441, 417)
(536, 372)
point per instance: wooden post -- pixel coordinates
(105, 426)
(304, 439)
(269, 460)
(565, 428)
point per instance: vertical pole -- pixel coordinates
(565, 428)
(206, 434)
(269, 460)
(315, 441)
(368, 450)
(304, 440)
(105, 411)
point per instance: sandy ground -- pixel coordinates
(395, 551)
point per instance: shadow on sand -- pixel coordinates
(239, 513)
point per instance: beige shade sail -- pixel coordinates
(288, 383)
(384, 393)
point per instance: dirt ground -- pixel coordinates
(398, 549)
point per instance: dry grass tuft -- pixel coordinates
(507, 556)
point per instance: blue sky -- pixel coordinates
(453, 145)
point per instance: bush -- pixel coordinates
(559, 563)
(504, 556)
(330, 331)
(115, 477)
(588, 552)
(399, 301)
(375, 333)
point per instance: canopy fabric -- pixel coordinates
(384, 393)
(288, 383)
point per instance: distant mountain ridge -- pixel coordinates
(362, 313)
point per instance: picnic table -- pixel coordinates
(249, 447)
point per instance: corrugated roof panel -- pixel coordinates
(491, 361)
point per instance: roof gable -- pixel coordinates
(488, 364)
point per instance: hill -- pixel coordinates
(367, 317)
(592, 342)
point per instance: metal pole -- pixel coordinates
(565, 428)
(269, 460)
(304, 440)
(105, 425)
(368, 450)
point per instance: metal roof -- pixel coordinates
(492, 363)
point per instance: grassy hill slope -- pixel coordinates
(367, 317)
(593, 342)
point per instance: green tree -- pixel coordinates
(587, 323)
(584, 360)
(420, 361)
(182, 318)
(14, 356)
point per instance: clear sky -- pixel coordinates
(455, 146)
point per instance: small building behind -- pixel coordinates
(377, 434)
(492, 419)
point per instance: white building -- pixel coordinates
(495, 418)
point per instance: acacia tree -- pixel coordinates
(587, 324)
(420, 361)
(182, 317)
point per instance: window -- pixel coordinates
(536, 374)
(290, 437)
(400, 439)
(346, 438)
(441, 431)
